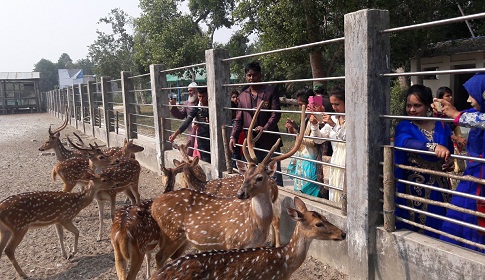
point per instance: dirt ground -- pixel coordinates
(24, 168)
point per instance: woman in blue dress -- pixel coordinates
(423, 135)
(475, 148)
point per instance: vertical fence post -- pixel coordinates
(81, 106)
(58, 101)
(91, 87)
(107, 98)
(218, 74)
(160, 113)
(127, 89)
(367, 97)
(389, 189)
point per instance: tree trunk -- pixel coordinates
(316, 62)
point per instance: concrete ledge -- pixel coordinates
(405, 254)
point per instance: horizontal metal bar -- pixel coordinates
(183, 67)
(471, 196)
(139, 76)
(287, 81)
(144, 116)
(341, 39)
(434, 23)
(437, 72)
(433, 154)
(416, 118)
(144, 125)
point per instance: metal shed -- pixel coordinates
(19, 92)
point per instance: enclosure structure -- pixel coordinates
(371, 251)
(450, 55)
(20, 92)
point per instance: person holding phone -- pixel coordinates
(334, 127)
(309, 149)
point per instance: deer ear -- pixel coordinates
(294, 214)
(176, 162)
(299, 204)
(241, 167)
(58, 134)
(271, 169)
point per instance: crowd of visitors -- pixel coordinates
(325, 135)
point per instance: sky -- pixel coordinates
(36, 29)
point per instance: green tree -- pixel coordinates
(214, 13)
(49, 77)
(112, 53)
(86, 64)
(64, 62)
(164, 36)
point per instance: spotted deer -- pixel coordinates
(225, 187)
(257, 263)
(208, 222)
(134, 232)
(54, 142)
(125, 173)
(127, 150)
(21, 212)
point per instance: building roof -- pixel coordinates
(456, 46)
(19, 75)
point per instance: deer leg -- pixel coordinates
(5, 234)
(129, 196)
(135, 265)
(60, 235)
(167, 249)
(148, 259)
(180, 251)
(120, 261)
(10, 250)
(101, 216)
(72, 228)
(135, 193)
(112, 207)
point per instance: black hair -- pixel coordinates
(235, 92)
(253, 66)
(423, 93)
(442, 90)
(338, 92)
(303, 94)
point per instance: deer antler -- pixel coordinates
(268, 159)
(92, 148)
(61, 127)
(250, 154)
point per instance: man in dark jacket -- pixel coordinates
(251, 98)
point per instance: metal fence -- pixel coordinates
(367, 187)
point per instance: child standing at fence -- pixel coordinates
(475, 148)
(427, 136)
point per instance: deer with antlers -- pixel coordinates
(54, 142)
(21, 212)
(134, 232)
(208, 222)
(257, 263)
(193, 177)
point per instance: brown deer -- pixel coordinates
(54, 142)
(127, 150)
(257, 263)
(224, 187)
(134, 232)
(209, 222)
(21, 212)
(125, 173)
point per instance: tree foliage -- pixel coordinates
(165, 36)
(113, 53)
(48, 74)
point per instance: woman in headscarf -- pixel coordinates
(475, 148)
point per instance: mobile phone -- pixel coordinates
(315, 101)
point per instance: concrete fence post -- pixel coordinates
(218, 74)
(82, 102)
(107, 99)
(367, 96)
(129, 101)
(91, 87)
(158, 80)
